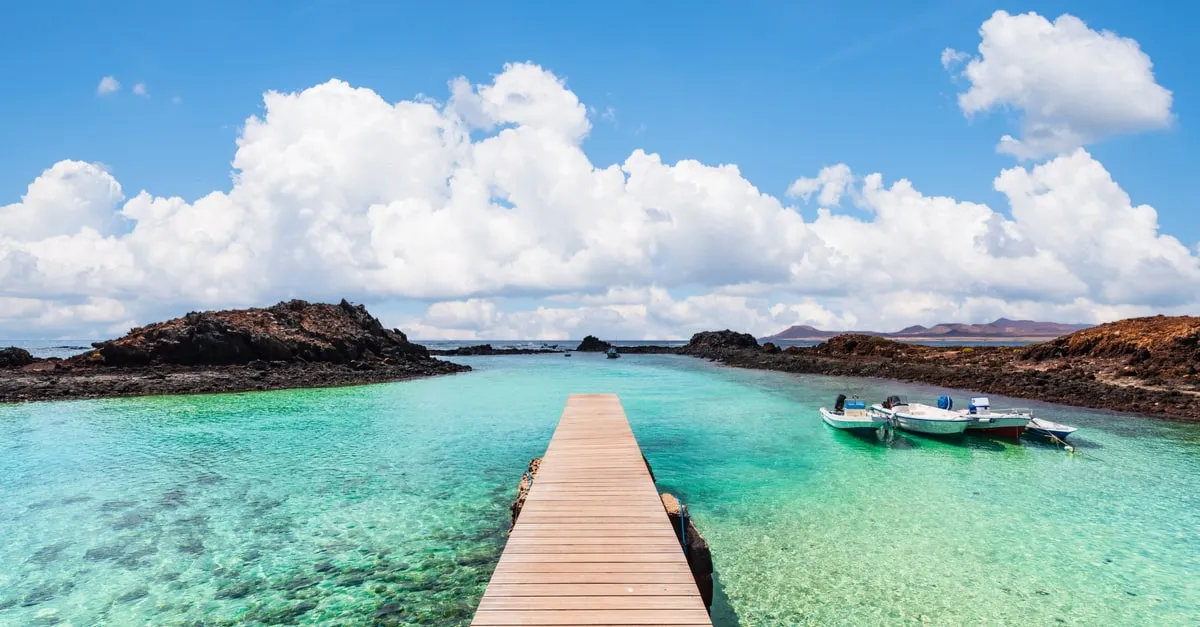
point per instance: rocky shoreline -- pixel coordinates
(294, 344)
(1146, 366)
(488, 349)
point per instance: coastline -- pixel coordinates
(1009, 371)
(51, 384)
(932, 339)
(1145, 366)
(293, 344)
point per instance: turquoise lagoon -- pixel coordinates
(388, 504)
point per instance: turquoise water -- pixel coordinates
(388, 504)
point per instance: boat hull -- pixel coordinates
(930, 426)
(924, 419)
(1046, 429)
(998, 425)
(852, 423)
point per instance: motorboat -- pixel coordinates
(1049, 429)
(852, 415)
(612, 353)
(985, 421)
(920, 418)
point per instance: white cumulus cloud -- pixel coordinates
(488, 202)
(830, 183)
(108, 85)
(1073, 85)
(141, 90)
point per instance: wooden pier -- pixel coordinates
(593, 544)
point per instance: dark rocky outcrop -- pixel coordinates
(592, 344)
(1158, 347)
(290, 345)
(699, 557)
(290, 331)
(13, 357)
(712, 343)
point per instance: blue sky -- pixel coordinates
(778, 88)
(781, 89)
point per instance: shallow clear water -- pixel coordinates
(389, 503)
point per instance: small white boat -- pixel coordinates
(920, 418)
(851, 415)
(1006, 422)
(1046, 428)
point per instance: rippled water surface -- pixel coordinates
(388, 503)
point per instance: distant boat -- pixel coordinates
(851, 415)
(612, 353)
(1046, 428)
(920, 418)
(1006, 422)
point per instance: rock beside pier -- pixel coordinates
(699, 557)
(523, 488)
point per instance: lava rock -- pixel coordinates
(593, 344)
(13, 357)
(290, 331)
(707, 343)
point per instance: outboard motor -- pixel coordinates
(891, 402)
(945, 402)
(840, 404)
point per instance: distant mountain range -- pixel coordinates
(1001, 329)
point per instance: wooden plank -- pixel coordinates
(555, 589)
(624, 578)
(592, 567)
(592, 617)
(577, 602)
(592, 545)
(602, 537)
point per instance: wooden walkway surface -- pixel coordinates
(593, 544)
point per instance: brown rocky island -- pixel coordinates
(294, 344)
(1148, 366)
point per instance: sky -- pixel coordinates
(631, 170)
